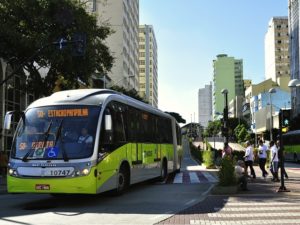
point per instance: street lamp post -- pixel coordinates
(225, 113)
(293, 84)
(271, 91)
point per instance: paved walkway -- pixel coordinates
(260, 205)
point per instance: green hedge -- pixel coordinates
(196, 153)
(209, 158)
(226, 173)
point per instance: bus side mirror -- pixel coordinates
(7, 120)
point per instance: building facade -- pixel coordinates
(227, 73)
(294, 53)
(148, 77)
(277, 59)
(262, 111)
(123, 18)
(205, 105)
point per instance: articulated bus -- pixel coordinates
(89, 141)
(291, 143)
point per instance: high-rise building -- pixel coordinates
(277, 61)
(228, 74)
(123, 17)
(205, 105)
(148, 65)
(294, 30)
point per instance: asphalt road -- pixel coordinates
(145, 203)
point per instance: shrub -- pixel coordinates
(196, 153)
(208, 159)
(226, 173)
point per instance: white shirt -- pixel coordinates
(85, 139)
(262, 151)
(249, 154)
(239, 171)
(274, 151)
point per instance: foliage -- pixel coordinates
(235, 122)
(196, 153)
(132, 92)
(241, 133)
(208, 159)
(177, 116)
(30, 28)
(213, 128)
(226, 173)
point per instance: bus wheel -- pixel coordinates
(164, 171)
(123, 180)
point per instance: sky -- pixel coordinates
(189, 35)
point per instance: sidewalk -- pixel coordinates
(262, 204)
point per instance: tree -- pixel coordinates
(29, 27)
(132, 93)
(177, 116)
(213, 128)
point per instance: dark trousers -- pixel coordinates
(242, 181)
(284, 172)
(262, 165)
(250, 164)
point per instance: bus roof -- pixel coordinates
(92, 97)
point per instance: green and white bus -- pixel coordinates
(291, 143)
(89, 141)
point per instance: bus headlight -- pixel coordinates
(12, 172)
(85, 171)
(82, 172)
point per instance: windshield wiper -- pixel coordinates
(57, 136)
(46, 133)
(44, 144)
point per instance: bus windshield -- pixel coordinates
(56, 132)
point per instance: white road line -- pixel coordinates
(194, 178)
(263, 209)
(246, 215)
(209, 177)
(190, 202)
(247, 204)
(178, 178)
(246, 222)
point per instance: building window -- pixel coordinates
(142, 62)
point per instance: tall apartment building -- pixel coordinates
(123, 17)
(148, 65)
(294, 30)
(227, 73)
(277, 60)
(205, 105)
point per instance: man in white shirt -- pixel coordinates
(274, 161)
(249, 159)
(85, 138)
(262, 154)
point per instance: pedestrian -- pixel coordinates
(249, 159)
(274, 161)
(281, 154)
(262, 154)
(227, 151)
(240, 175)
